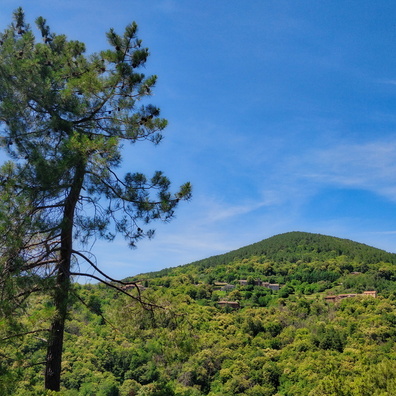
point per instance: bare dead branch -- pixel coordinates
(145, 304)
(90, 262)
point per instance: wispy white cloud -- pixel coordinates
(218, 211)
(369, 166)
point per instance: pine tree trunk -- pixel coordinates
(62, 286)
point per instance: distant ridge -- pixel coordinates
(295, 246)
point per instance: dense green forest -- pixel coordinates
(291, 341)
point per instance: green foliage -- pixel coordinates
(301, 248)
(286, 342)
(64, 117)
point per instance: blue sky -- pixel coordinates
(281, 114)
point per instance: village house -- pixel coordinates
(258, 282)
(227, 287)
(371, 293)
(331, 298)
(131, 286)
(339, 297)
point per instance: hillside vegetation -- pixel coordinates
(290, 341)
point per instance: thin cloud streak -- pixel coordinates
(368, 166)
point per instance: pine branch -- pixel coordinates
(23, 334)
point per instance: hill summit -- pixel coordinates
(293, 247)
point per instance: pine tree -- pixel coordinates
(64, 117)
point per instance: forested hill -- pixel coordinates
(293, 247)
(296, 314)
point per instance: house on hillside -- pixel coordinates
(227, 287)
(272, 286)
(258, 282)
(131, 286)
(231, 304)
(342, 296)
(339, 297)
(371, 293)
(331, 298)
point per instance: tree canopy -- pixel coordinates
(291, 341)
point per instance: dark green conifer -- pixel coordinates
(64, 117)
